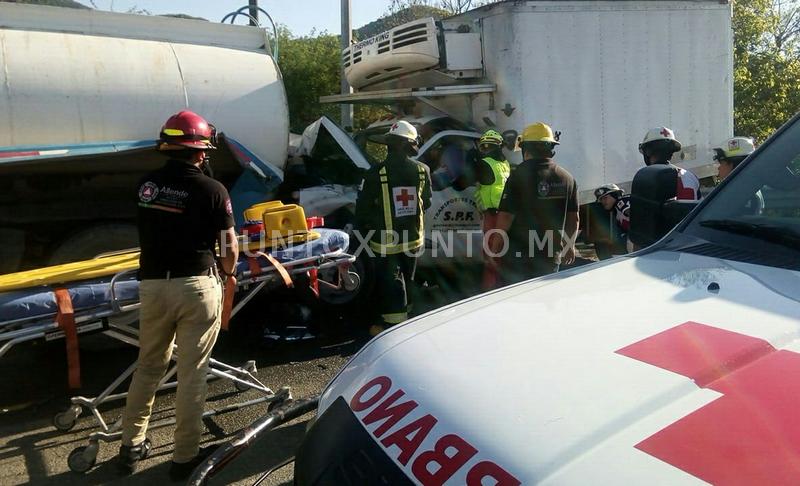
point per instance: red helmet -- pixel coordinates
(187, 129)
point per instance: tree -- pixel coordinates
(310, 66)
(766, 66)
(399, 13)
(456, 6)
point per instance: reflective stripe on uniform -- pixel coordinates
(420, 206)
(391, 247)
(394, 249)
(387, 207)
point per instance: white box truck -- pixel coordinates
(600, 72)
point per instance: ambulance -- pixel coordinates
(678, 364)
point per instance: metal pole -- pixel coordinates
(254, 12)
(347, 38)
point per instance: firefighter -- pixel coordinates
(736, 150)
(538, 211)
(492, 172)
(658, 146)
(389, 213)
(615, 201)
(182, 215)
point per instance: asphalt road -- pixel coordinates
(33, 389)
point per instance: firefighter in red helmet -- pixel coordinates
(182, 215)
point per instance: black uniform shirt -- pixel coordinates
(538, 193)
(181, 213)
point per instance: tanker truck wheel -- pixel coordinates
(95, 240)
(87, 244)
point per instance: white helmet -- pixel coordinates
(659, 133)
(404, 129)
(735, 147)
(607, 189)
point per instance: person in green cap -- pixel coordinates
(492, 172)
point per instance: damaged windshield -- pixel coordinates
(760, 204)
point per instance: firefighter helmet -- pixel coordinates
(539, 132)
(661, 136)
(735, 148)
(405, 130)
(187, 129)
(491, 137)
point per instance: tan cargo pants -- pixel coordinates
(186, 311)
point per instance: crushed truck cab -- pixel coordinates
(679, 364)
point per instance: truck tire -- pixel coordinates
(95, 240)
(87, 244)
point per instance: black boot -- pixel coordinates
(181, 470)
(129, 456)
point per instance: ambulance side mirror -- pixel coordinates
(654, 210)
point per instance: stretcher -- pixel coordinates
(101, 295)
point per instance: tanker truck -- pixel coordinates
(83, 95)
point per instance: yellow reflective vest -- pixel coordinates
(488, 196)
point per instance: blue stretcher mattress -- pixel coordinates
(94, 294)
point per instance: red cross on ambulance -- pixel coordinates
(751, 434)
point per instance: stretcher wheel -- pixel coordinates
(249, 367)
(280, 400)
(240, 386)
(82, 459)
(351, 281)
(65, 421)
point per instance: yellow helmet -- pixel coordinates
(539, 132)
(491, 137)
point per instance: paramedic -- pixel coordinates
(658, 146)
(389, 211)
(615, 201)
(182, 214)
(735, 151)
(492, 172)
(538, 211)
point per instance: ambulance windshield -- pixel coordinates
(761, 202)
